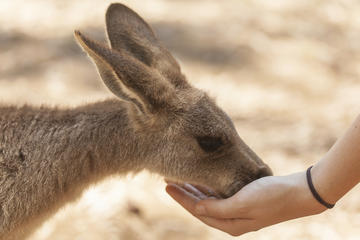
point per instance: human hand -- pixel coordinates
(261, 203)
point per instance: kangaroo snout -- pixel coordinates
(264, 171)
(244, 177)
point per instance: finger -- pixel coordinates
(207, 191)
(222, 208)
(188, 188)
(188, 201)
(197, 192)
(185, 199)
(168, 181)
(235, 227)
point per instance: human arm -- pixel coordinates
(275, 199)
(339, 170)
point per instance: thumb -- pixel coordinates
(221, 208)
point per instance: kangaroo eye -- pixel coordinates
(209, 144)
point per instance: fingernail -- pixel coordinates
(200, 209)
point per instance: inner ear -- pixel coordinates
(128, 31)
(121, 20)
(107, 73)
(135, 49)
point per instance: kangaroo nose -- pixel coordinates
(264, 171)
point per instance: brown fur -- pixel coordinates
(49, 156)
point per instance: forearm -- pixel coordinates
(339, 170)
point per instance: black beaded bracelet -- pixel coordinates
(314, 192)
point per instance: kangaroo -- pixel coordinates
(157, 121)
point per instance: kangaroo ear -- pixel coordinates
(127, 31)
(128, 78)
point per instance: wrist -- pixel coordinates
(304, 198)
(314, 191)
(324, 186)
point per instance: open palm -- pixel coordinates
(261, 203)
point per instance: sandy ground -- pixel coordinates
(287, 72)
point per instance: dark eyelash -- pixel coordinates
(209, 144)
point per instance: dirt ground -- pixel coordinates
(287, 72)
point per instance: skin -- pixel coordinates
(248, 210)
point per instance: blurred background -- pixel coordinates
(287, 72)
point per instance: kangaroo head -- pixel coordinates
(188, 137)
